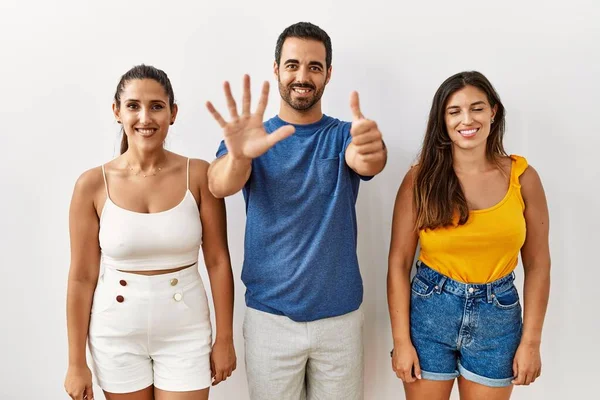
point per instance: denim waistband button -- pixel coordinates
(471, 290)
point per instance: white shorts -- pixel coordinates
(288, 360)
(148, 330)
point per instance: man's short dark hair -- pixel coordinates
(304, 30)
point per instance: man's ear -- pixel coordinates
(329, 74)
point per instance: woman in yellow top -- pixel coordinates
(473, 208)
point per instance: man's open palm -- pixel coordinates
(245, 135)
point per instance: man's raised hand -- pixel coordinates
(245, 135)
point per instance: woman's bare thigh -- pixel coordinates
(470, 390)
(144, 394)
(424, 389)
(192, 395)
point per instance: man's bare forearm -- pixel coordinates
(227, 176)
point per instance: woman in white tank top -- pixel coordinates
(144, 217)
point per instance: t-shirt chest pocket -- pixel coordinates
(330, 176)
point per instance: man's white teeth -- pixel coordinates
(298, 90)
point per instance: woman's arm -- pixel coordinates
(83, 276)
(402, 251)
(535, 255)
(218, 264)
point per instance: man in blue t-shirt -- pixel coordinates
(303, 325)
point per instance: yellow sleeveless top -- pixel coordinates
(487, 247)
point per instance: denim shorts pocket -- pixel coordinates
(420, 288)
(507, 300)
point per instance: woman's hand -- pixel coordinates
(222, 360)
(405, 363)
(527, 364)
(78, 383)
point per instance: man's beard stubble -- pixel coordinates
(300, 104)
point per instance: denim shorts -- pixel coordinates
(471, 330)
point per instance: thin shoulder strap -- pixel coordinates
(188, 174)
(105, 183)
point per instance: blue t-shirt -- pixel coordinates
(300, 246)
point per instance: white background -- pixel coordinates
(60, 65)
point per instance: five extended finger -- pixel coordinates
(231, 105)
(246, 99)
(280, 134)
(264, 98)
(216, 115)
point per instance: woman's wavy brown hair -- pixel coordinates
(438, 195)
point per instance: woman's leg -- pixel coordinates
(470, 390)
(191, 395)
(424, 389)
(144, 394)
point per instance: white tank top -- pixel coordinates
(133, 241)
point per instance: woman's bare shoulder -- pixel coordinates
(90, 181)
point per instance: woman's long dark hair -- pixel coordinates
(438, 195)
(142, 72)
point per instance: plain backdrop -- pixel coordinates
(61, 61)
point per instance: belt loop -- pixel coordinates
(440, 285)
(489, 292)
